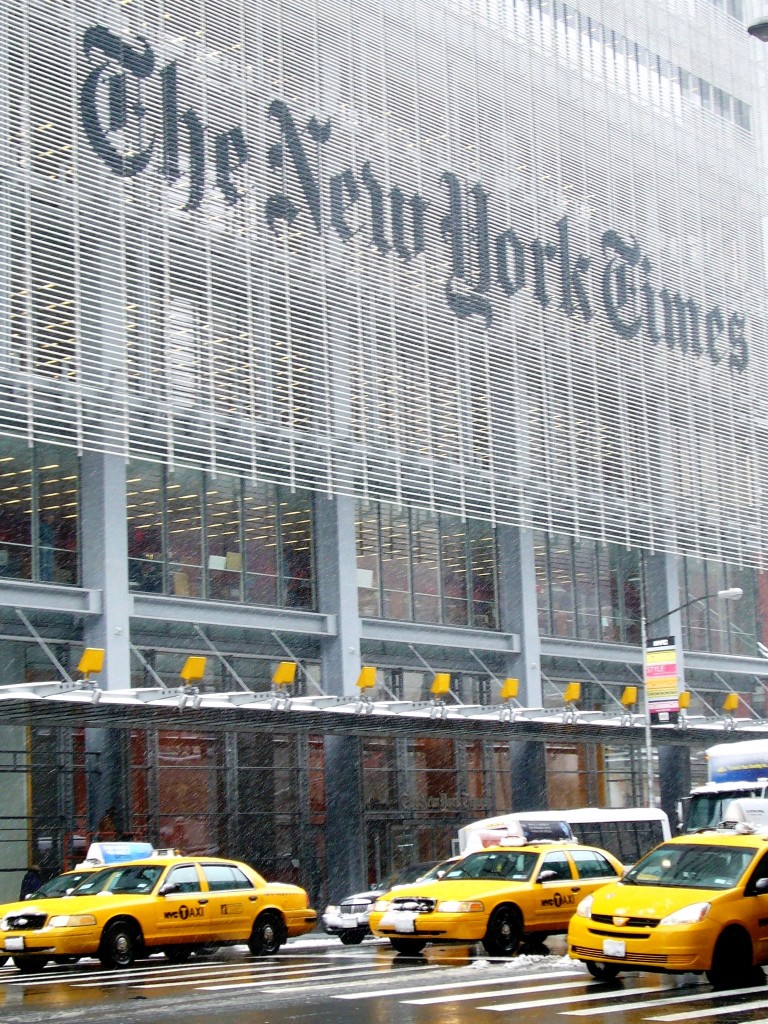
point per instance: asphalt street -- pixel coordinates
(316, 980)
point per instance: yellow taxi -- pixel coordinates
(697, 903)
(499, 896)
(171, 904)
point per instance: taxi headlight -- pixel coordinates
(382, 905)
(584, 908)
(688, 915)
(72, 921)
(460, 907)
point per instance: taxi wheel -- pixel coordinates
(353, 936)
(731, 960)
(119, 945)
(411, 946)
(178, 954)
(602, 972)
(30, 964)
(267, 936)
(504, 934)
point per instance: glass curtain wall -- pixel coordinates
(587, 590)
(729, 627)
(420, 566)
(39, 501)
(220, 538)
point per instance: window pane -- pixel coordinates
(225, 560)
(15, 510)
(260, 520)
(185, 533)
(144, 496)
(58, 490)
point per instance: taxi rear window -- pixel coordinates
(680, 866)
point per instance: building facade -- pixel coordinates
(421, 336)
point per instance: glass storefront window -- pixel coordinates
(379, 773)
(190, 792)
(432, 774)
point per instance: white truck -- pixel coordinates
(734, 771)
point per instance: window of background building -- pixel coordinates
(420, 566)
(193, 535)
(39, 513)
(502, 777)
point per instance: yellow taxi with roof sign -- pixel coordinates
(698, 902)
(500, 896)
(172, 904)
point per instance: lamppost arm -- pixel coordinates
(731, 594)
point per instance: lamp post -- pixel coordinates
(759, 29)
(731, 594)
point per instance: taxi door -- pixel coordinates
(556, 892)
(233, 901)
(755, 909)
(183, 914)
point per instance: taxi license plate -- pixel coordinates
(401, 920)
(614, 947)
(14, 943)
(348, 921)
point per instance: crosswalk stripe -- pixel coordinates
(715, 1011)
(442, 985)
(162, 981)
(289, 981)
(644, 1004)
(534, 1004)
(526, 990)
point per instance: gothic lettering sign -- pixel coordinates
(487, 266)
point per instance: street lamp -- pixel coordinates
(759, 29)
(730, 594)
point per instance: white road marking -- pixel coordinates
(434, 1000)
(166, 981)
(534, 1004)
(716, 1011)
(291, 981)
(443, 984)
(665, 1002)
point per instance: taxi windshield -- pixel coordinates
(125, 880)
(681, 866)
(506, 865)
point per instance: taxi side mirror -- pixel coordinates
(547, 875)
(169, 887)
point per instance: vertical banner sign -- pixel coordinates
(661, 679)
